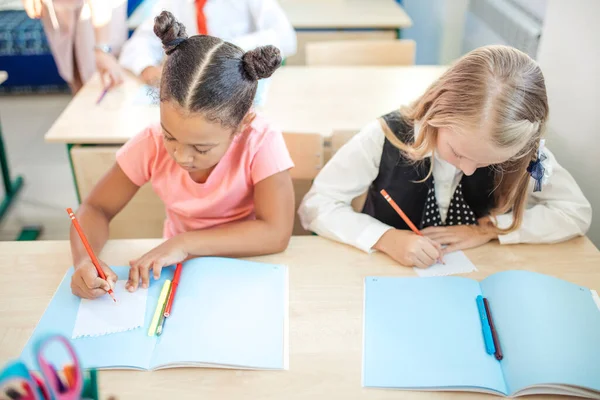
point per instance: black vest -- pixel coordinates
(401, 177)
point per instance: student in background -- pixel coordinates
(246, 23)
(459, 162)
(220, 169)
(84, 36)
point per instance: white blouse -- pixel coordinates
(558, 212)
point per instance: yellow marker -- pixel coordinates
(159, 307)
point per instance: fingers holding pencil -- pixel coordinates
(87, 284)
(100, 270)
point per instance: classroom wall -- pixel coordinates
(438, 27)
(569, 55)
(428, 22)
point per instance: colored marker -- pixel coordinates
(485, 326)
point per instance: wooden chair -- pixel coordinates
(306, 151)
(143, 217)
(361, 53)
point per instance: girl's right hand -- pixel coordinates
(409, 249)
(87, 284)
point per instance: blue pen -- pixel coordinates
(485, 326)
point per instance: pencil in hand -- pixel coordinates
(89, 250)
(404, 217)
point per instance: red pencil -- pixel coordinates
(174, 285)
(89, 250)
(403, 216)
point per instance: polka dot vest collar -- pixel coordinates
(459, 212)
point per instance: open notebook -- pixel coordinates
(426, 334)
(227, 313)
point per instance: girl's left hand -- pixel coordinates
(461, 237)
(170, 252)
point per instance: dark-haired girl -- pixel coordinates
(220, 169)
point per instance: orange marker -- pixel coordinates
(402, 215)
(89, 250)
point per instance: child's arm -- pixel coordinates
(557, 213)
(269, 233)
(144, 50)
(105, 201)
(560, 211)
(327, 210)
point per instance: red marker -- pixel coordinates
(174, 285)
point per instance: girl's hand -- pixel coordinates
(409, 249)
(170, 252)
(461, 237)
(86, 283)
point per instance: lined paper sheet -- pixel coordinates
(102, 316)
(456, 263)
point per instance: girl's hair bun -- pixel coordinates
(261, 62)
(170, 31)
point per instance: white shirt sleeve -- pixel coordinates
(326, 209)
(272, 27)
(144, 48)
(558, 212)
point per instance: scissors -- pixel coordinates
(17, 382)
(57, 389)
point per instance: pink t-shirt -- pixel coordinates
(228, 193)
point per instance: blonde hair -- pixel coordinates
(495, 89)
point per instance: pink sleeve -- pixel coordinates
(137, 156)
(272, 157)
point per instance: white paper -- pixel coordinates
(456, 263)
(596, 298)
(103, 316)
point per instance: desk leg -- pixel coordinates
(11, 189)
(69, 147)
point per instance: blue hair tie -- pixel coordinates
(175, 42)
(536, 169)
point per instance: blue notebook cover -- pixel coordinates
(426, 334)
(226, 313)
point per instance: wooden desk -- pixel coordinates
(324, 20)
(346, 14)
(326, 300)
(299, 99)
(315, 100)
